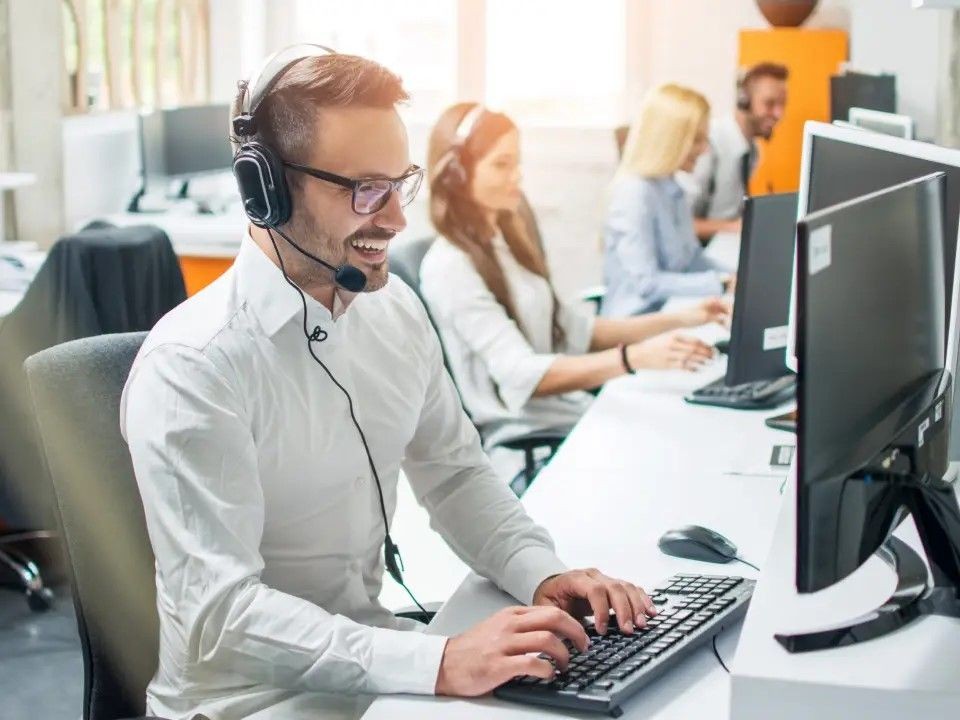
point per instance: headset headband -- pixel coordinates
(468, 123)
(466, 126)
(266, 77)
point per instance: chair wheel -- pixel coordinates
(40, 600)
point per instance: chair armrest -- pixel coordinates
(534, 440)
(412, 612)
(593, 295)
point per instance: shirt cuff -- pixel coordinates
(404, 662)
(527, 569)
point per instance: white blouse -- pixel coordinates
(497, 364)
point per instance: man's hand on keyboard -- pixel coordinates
(503, 647)
(586, 592)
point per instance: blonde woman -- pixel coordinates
(651, 252)
(521, 358)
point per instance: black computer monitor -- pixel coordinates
(874, 399)
(840, 164)
(758, 330)
(180, 144)
(185, 142)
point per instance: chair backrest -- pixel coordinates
(406, 256)
(620, 138)
(99, 280)
(76, 388)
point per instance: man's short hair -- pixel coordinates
(762, 70)
(287, 116)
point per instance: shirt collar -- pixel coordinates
(262, 286)
(733, 135)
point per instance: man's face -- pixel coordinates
(355, 142)
(768, 100)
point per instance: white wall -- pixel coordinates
(907, 43)
(695, 42)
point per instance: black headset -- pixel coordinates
(261, 180)
(743, 91)
(451, 169)
(258, 168)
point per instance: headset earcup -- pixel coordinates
(455, 175)
(262, 183)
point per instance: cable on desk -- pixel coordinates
(717, 653)
(747, 563)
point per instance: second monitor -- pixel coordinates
(757, 376)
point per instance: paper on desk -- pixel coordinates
(14, 275)
(756, 462)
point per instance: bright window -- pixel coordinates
(557, 63)
(415, 40)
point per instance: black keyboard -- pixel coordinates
(693, 609)
(759, 395)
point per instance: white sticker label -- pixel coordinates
(820, 243)
(922, 431)
(775, 338)
(938, 412)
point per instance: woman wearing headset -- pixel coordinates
(651, 252)
(521, 359)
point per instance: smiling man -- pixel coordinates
(268, 418)
(722, 174)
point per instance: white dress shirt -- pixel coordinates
(498, 364)
(715, 187)
(261, 508)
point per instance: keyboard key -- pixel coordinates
(603, 684)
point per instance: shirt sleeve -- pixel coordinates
(635, 279)
(577, 323)
(462, 303)
(469, 506)
(195, 461)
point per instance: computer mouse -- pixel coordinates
(722, 346)
(698, 543)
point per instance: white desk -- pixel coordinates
(12, 181)
(193, 234)
(639, 463)
(14, 280)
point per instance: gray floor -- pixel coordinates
(41, 671)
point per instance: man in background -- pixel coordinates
(720, 179)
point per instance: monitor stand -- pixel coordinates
(936, 513)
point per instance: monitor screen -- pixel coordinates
(845, 164)
(758, 333)
(185, 142)
(871, 335)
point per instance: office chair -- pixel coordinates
(102, 279)
(620, 138)
(405, 261)
(75, 388)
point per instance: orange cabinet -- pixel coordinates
(812, 57)
(199, 271)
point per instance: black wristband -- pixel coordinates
(623, 358)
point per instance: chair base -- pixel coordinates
(26, 572)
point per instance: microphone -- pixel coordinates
(349, 277)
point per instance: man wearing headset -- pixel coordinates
(721, 176)
(264, 413)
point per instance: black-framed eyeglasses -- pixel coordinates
(370, 194)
